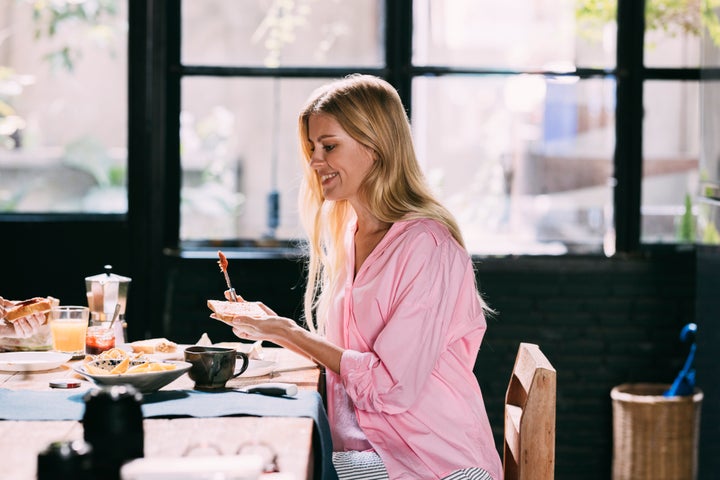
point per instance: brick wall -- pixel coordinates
(601, 322)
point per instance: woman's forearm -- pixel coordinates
(313, 346)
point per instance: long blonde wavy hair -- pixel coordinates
(369, 109)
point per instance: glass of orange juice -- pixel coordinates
(68, 325)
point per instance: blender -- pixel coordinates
(104, 292)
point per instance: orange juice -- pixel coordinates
(68, 326)
(68, 335)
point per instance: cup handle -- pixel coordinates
(245, 365)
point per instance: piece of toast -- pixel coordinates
(225, 310)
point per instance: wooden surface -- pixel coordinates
(291, 438)
(529, 446)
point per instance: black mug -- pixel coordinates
(212, 367)
(113, 426)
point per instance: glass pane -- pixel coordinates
(522, 161)
(676, 33)
(239, 144)
(708, 213)
(283, 33)
(671, 136)
(519, 34)
(63, 106)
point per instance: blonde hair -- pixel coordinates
(369, 109)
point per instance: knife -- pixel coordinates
(223, 262)
(273, 389)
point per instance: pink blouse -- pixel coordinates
(411, 323)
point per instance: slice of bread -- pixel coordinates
(154, 345)
(225, 310)
(28, 307)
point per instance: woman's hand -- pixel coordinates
(228, 297)
(267, 327)
(23, 327)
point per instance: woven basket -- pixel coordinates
(654, 437)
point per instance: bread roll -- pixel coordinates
(154, 345)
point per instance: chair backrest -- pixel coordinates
(529, 446)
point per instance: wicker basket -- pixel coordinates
(654, 437)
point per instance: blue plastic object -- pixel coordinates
(684, 383)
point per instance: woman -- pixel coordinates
(391, 300)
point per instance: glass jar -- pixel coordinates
(100, 337)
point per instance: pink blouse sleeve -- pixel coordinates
(432, 303)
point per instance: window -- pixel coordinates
(63, 106)
(239, 147)
(513, 108)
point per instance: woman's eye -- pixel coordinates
(329, 148)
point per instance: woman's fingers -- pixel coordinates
(228, 296)
(267, 309)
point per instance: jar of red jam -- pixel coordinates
(100, 337)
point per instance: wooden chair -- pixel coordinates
(529, 446)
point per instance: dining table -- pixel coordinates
(296, 440)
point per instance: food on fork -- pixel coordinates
(154, 345)
(225, 310)
(29, 307)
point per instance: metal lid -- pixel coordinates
(108, 277)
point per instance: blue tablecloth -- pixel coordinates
(69, 405)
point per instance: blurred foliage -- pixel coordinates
(670, 16)
(686, 227)
(51, 16)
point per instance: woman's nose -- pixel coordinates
(316, 160)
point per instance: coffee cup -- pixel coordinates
(212, 367)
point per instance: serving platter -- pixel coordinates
(32, 361)
(143, 382)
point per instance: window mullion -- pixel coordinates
(628, 124)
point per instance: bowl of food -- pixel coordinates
(145, 375)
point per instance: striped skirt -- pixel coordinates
(369, 466)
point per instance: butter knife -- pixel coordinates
(273, 389)
(223, 262)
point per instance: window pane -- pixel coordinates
(63, 113)
(518, 34)
(522, 161)
(677, 33)
(281, 33)
(671, 133)
(239, 143)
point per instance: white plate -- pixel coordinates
(178, 354)
(257, 368)
(32, 361)
(144, 382)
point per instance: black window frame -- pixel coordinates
(155, 168)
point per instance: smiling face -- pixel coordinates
(340, 161)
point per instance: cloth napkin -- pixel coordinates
(69, 405)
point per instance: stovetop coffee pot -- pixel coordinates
(104, 291)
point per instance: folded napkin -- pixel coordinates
(69, 405)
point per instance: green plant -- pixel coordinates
(686, 228)
(95, 17)
(670, 16)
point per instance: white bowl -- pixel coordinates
(143, 382)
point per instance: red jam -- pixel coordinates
(98, 340)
